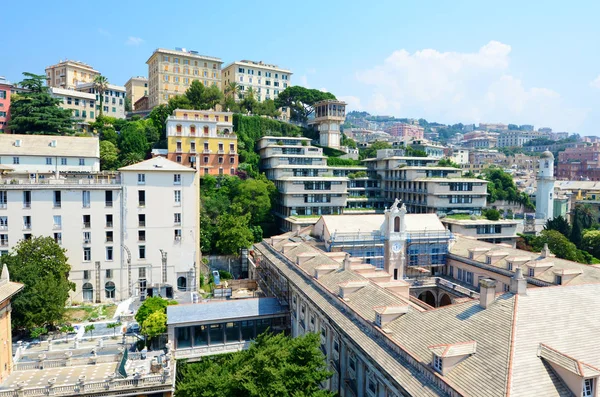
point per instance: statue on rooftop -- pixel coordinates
(394, 206)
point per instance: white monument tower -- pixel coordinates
(544, 198)
(329, 116)
(395, 241)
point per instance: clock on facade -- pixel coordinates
(396, 248)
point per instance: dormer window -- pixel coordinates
(531, 272)
(510, 266)
(437, 363)
(558, 279)
(488, 260)
(588, 387)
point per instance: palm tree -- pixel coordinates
(250, 93)
(232, 89)
(101, 85)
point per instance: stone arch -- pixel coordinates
(181, 283)
(427, 297)
(397, 224)
(88, 292)
(444, 300)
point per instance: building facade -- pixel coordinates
(7, 290)
(113, 104)
(580, 162)
(5, 88)
(544, 198)
(497, 232)
(119, 234)
(513, 138)
(171, 72)
(403, 130)
(136, 88)
(44, 155)
(81, 104)
(329, 116)
(266, 80)
(68, 74)
(205, 135)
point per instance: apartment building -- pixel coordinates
(42, 155)
(68, 74)
(513, 138)
(425, 187)
(170, 73)
(136, 88)
(132, 233)
(308, 187)
(460, 156)
(492, 298)
(266, 80)
(5, 88)
(81, 104)
(403, 130)
(485, 141)
(8, 289)
(493, 127)
(205, 135)
(497, 232)
(113, 104)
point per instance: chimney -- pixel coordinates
(518, 284)
(545, 251)
(487, 292)
(346, 263)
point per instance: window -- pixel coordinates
(141, 220)
(177, 196)
(437, 363)
(108, 198)
(87, 254)
(87, 221)
(3, 199)
(48, 160)
(15, 160)
(141, 198)
(81, 161)
(85, 198)
(86, 274)
(141, 179)
(558, 279)
(57, 199)
(27, 199)
(27, 222)
(142, 272)
(87, 237)
(142, 252)
(63, 161)
(588, 387)
(3, 240)
(177, 218)
(109, 236)
(3, 222)
(141, 235)
(58, 238)
(177, 234)
(469, 277)
(109, 273)
(531, 272)
(177, 179)
(109, 288)
(109, 257)
(109, 220)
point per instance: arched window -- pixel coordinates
(109, 288)
(178, 127)
(88, 292)
(192, 129)
(185, 116)
(205, 130)
(397, 224)
(181, 283)
(226, 131)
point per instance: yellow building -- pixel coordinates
(170, 73)
(205, 136)
(136, 88)
(67, 74)
(7, 290)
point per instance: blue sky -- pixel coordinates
(523, 62)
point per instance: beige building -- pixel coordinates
(502, 231)
(114, 99)
(170, 73)
(82, 105)
(136, 88)
(266, 80)
(67, 74)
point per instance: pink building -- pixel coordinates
(403, 130)
(5, 87)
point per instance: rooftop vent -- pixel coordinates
(53, 143)
(18, 143)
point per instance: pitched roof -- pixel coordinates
(41, 145)
(157, 164)
(569, 363)
(454, 349)
(374, 223)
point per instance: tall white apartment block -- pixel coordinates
(266, 80)
(132, 233)
(329, 116)
(544, 197)
(41, 155)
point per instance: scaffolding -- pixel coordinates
(427, 248)
(366, 245)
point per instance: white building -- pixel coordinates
(81, 104)
(544, 198)
(48, 154)
(107, 221)
(113, 104)
(267, 81)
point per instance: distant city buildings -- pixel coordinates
(171, 72)
(493, 127)
(513, 138)
(205, 135)
(579, 163)
(266, 80)
(403, 130)
(68, 74)
(136, 88)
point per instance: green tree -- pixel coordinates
(41, 264)
(89, 328)
(371, 151)
(559, 224)
(591, 242)
(154, 325)
(128, 107)
(37, 112)
(151, 305)
(491, 214)
(114, 327)
(158, 116)
(234, 233)
(448, 163)
(301, 100)
(133, 140)
(274, 365)
(179, 102)
(253, 197)
(232, 90)
(100, 85)
(211, 97)
(109, 134)
(560, 245)
(195, 94)
(109, 156)
(38, 332)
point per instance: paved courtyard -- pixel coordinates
(63, 375)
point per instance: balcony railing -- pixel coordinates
(86, 225)
(105, 179)
(231, 151)
(142, 224)
(57, 204)
(27, 204)
(109, 224)
(27, 226)
(206, 151)
(221, 151)
(141, 203)
(108, 204)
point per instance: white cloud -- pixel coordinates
(596, 82)
(131, 40)
(103, 32)
(467, 87)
